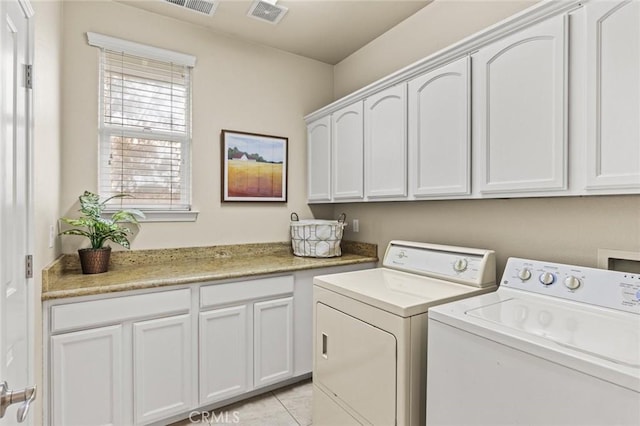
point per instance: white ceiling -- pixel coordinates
(326, 30)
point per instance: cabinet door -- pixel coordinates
(86, 377)
(347, 152)
(319, 159)
(522, 110)
(161, 367)
(224, 352)
(385, 143)
(439, 131)
(613, 151)
(272, 341)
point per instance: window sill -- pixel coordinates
(166, 215)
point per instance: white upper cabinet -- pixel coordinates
(319, 159)
(347, 128)
(521, 110)
(545, 103)
(385, 143)
(613, 94)
(439, 131)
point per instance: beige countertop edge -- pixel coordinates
(199, 278)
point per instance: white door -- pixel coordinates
(319, 159)
(522, 110)
(439, 131)
(15, 299)
(272, 341)
(224, 353)
(86, 377)
(385, 143)
(613, 100)
(347, 138)
(161, 367)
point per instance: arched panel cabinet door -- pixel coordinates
(319, 160)
(347, 128)
(385, 143)
(522, 110)
(613, 99)
(439, 131)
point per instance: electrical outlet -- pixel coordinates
(356, 225)
(52, 235)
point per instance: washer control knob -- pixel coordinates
(572, 282)
(547, 278)
(460, 265)
(524, 274)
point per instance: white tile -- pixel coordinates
(290, 406)
(297, 399)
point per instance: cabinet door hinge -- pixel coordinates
(29, 266)
(28, 76)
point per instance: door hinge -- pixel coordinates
(29, 266)
(28, 76)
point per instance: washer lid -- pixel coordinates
(611, 336)
(603, 343)
(397, 292)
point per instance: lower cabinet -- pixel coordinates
(249, 344)
(161, 367)
(272, 341)
(224, 353)
(86, 377)
(152, 357)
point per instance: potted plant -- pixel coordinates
(99, 230)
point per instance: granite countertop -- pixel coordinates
(141, 269)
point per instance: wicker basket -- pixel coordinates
(317, 238)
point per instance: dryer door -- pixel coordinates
(356, 362)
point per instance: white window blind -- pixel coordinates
(145, 131)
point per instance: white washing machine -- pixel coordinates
(370, 331)
(555, 345)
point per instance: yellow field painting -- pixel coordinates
(254, 179)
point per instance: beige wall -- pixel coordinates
(556, 229)
(46, 161)
(432, 28)
(236, 85)
(562, 229)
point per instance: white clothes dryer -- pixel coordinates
(371, 331)
(555, 345)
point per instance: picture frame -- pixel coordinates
(254, 167)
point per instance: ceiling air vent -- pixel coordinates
(266, 10)
(205, 7)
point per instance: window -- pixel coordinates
(145, 125)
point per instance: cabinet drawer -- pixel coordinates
(100, 312)
(221, 294)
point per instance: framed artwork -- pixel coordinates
(254, 167)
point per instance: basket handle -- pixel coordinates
(342, 218)
(294, 217)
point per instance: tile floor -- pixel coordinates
(289, 406)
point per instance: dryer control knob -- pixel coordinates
(547, 278)
(524, 274)
(460, 265)
(572, 282)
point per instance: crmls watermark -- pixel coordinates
(212, 418)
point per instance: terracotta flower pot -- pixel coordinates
(94, 261)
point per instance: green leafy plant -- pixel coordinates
(97, 228)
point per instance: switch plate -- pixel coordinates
(356, 225)
(52, 235)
